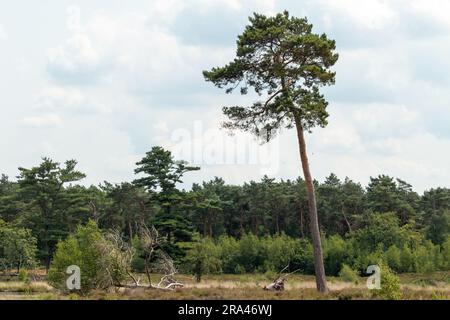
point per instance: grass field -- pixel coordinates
(242, 287)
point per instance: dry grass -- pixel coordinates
(243, 287)
(298, 287)
(21, 287)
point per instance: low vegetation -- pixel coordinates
(246, 286)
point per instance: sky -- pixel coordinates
(103, 81)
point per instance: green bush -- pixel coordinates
(93, 254)
(406, 259)
(23, 276)
(393, 258)
(280, 251)
(347, 274)
(446, 255)
(283, 250)
(252, 253)
(138, 262)
(424, 258)
(390, 284)
(203, 258)
(17, 247)
(229, 250)
(335, 254)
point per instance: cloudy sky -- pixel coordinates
(103, 81)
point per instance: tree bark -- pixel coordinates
(210, 228)
(301, 221)
(321, 281)
(130, 230)
(346, 220)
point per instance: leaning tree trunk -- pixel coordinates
(321, 280)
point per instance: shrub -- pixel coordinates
(23, 276)
(67, 253)
(251, 254)
(283, 250)
(390, 284)
(335, 254)
(280, 252)
(239, 269)
(203, 258)
(138, 262)
(347, 274)
(439, 228)
(424, 258)
(393, 258)
(17, 247)
(446, 254)
(228, 253)
(406, 259)
(98, 260)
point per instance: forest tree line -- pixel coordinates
(259, 226)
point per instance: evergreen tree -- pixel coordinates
(280, 57)
(42, 190)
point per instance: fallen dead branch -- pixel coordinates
(155, 259)
(278, 283)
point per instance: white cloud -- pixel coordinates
(371, 14)
(47, 120)
(75, 60)
(66, 99)
(125, 80)
(381, 120)
(436, 10)
(3, 34)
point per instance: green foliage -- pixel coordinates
(335, 253)
(393, 257)
(426, 258)
(138, 261)
(161, 174)
(23, 276)
(176, 229)
(347, 274)
(446, 254)
(17, 247)
(439, 226)
(228, 254)
(339, 204)
(250, 254)
(203, 258)
(283, 250)
(45, 200)
(119, 206)
(406, 259)
(260, 226)
(68, 253)
(281, 58)
(390, 284)
(386, 195)
(96, 257)
(382, 229)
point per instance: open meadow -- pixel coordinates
(434, 286)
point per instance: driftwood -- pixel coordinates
(278, 283)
